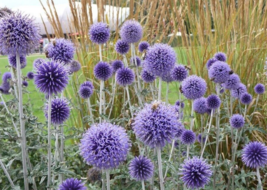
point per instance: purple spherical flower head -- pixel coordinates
(200, 105)
(25, 83)
(72, 184)
(18, 34)
(125, 76)
(13, 62)
(99, 33)
(30, 75)
(232, 82)
(5, 88)
(220, 56)
(167, 78)
(103, 71)
(136, 61)
(201, 139)
(105, 146)
(213, 102)
(155, 125)
(196, 173)
(74, 66)
(38, 62)
(116, 65)
(85, 92)
(259, 88)
(219, 72)
(239, 91)
(210, 62)
(122, 47)
(141, 168)
(147, 77)
(246, 98)
(143, 46)
(237, 121)
(254, 155)
(60, 111)
(88, 84)
(179, 73)
(131, 31)
(194, 87)
(188, 137)
(160, 59)
(51, 78)
(179, 103)
(222, 90)
(6, 77)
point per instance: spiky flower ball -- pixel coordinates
(147, 77)
(103, 71)
(5, 11)
(232, 82)
(94, 175)
(194, 87)
(25, 83)
(99, 33)
(13, 61)
(51, 78)
(179, 73)
(201, 139)
(72, 184)
(155, 124)
(30, 75)
(179, 104)
(219, 72)
(143, 46)
(210, 62)
(38, 62)
(85, 92)
(246, 98)
(188, 137)
(141, 168)
(200, 105)
(88, 84)
(125, 76)
(5, 87)
(116, 65)
(6, 76)
(220, 56)
(259, 88)
(105, 146)
(122, 47)
(18, 34)
(196, 173)
(136, 61)
(131, 31)
(60, 111)
(239, 91)
(74, 66)
(237, 121)
(213, 102)
(254, 155)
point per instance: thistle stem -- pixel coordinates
(257, 100)
(259, 179)
(201, 132)
(49, 142)
(159, 90)
(90, 109)
(192, 117)
(170, 157)
(129, 100)
(61, 149)
(160, 169)
(125, 60)
(100, 53)
(187, 151)
(167, 93)
(7, 174)
(100, 97)
(13, 78)
(211, 115)
(22, 124)
(152, 91)
(108, 180)
(143, 185)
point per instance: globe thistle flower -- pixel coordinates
(60, 111)
(219, 72)
(51, 78)
(94, 175)
(201, 139)
(72, 184)
(61, 50)
(136, 61)
(18, 34)
(259, 88)
(155, 125)
(220, 56)
(25, 83)
(131, 31)
(5, 88)
(5, 11)
(167, 78)
(232, 82)
(103, 71)
(200, 105)
(30, 75)
(74, 66)
(141, 168)
(179, 103)
(254, 155)
(143, 46)
(13, 61)
(246, 98)
(147, 77)
(239, 91)
(237, 121)
(6, 77)
(38, 62)
(194, 87)
(116, 65)
(122, 47)
(222, 90)
(188, 137)
(88, 84)
(160, 59)
(210, 62)
(213, 102)
(105, 146)
(99, 33)
(125, 76)
(196, 173)
(85, 92)
(179, 73)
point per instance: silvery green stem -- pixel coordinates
(167, 93)
(187, 151)
(259, 179)
(125, 60)
(170, 157)
(134, 58)
(152, 91)
(100, 97)
(129, 100)
(61, 150)
(113, 97)
(103, 180)
(108, 180)
(100, 53)
(13, 79)
(245, 112)
(49, 142)
(211, 115)
(257, 100)
(192, 117)
(161, 180)
(143, 185)
(7, 174)
(90, 109)
(22, 124)
(201, 132)
(159, 92)
(138, 95)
